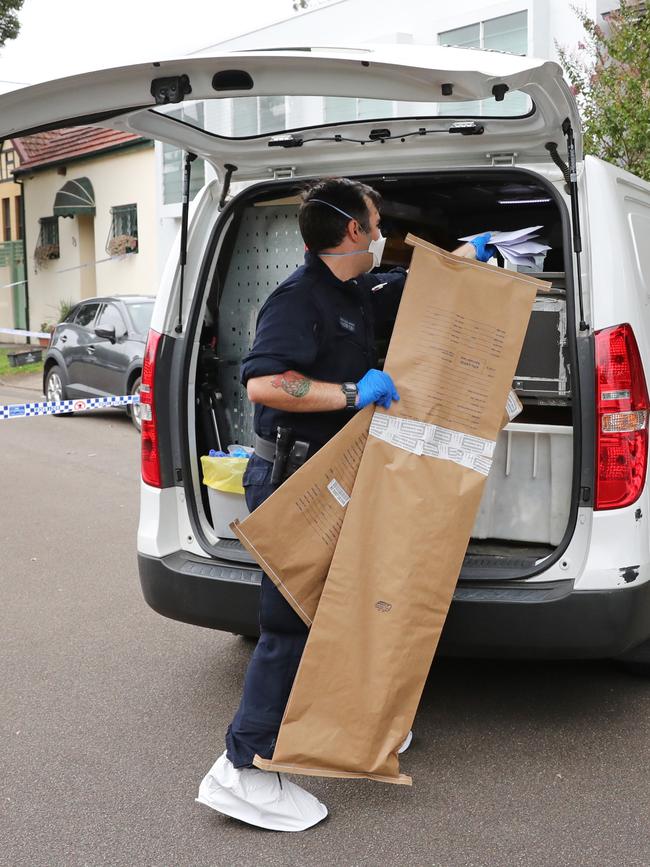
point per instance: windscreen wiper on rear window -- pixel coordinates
(462, 127)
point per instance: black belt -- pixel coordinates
(264, 449)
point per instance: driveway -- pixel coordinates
(111, 714)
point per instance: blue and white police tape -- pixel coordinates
(56, 407)
(20, 332)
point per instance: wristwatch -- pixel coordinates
(351, 393)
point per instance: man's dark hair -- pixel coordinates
(323, 227)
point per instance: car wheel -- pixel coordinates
(134, 409)
(54, 387)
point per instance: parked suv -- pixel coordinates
(559, 561)
(97, 350)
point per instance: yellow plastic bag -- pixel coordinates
(224, 474)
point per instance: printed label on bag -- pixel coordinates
(339, 493)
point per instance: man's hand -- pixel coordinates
(376, 387)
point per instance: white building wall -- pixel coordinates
(120, 178)
(128, 177)
(355, 22)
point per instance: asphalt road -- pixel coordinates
(110, 714)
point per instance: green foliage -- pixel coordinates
(610, 77)
(9, 23)
(65, 307)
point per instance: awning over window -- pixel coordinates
(75, 198)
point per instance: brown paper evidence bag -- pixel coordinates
(367, 539)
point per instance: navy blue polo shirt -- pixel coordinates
(324, 328)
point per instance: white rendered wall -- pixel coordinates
(119, 178)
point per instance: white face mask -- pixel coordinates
(375, 248)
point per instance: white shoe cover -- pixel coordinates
(406, 744)
(260, 798)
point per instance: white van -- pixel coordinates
(559, 562)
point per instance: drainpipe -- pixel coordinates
(24, 240)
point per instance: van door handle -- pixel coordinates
(90, 350)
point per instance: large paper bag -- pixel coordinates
(293, 534)
(413, 502)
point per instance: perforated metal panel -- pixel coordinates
(267, 249)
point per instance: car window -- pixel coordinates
(111, 317)
(141, 315)
(86, 314)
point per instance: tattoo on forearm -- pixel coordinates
(293, 383)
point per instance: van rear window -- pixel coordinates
(250, 116)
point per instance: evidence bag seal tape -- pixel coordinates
(56, 407)
(434, 441)
(513, 405)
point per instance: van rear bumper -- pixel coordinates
(202, 591)
(547, 621)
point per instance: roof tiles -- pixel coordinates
(60, 145)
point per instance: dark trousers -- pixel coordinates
(275, 660)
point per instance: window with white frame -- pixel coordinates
(254, 115)
(507, 33)
(123, 235)
(339, 109)
(173, 159)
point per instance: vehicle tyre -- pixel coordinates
(54, 387)
(134, 409)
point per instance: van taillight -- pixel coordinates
(150, 463)
(622, 418)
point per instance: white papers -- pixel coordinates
(517, 247)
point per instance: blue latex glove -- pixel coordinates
(376, 387)
(484, 250)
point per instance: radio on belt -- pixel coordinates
(297, 457)
(290, 454)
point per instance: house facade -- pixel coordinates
(89, 197)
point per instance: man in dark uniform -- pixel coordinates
(312, 364)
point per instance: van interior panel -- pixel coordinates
(527, 501)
